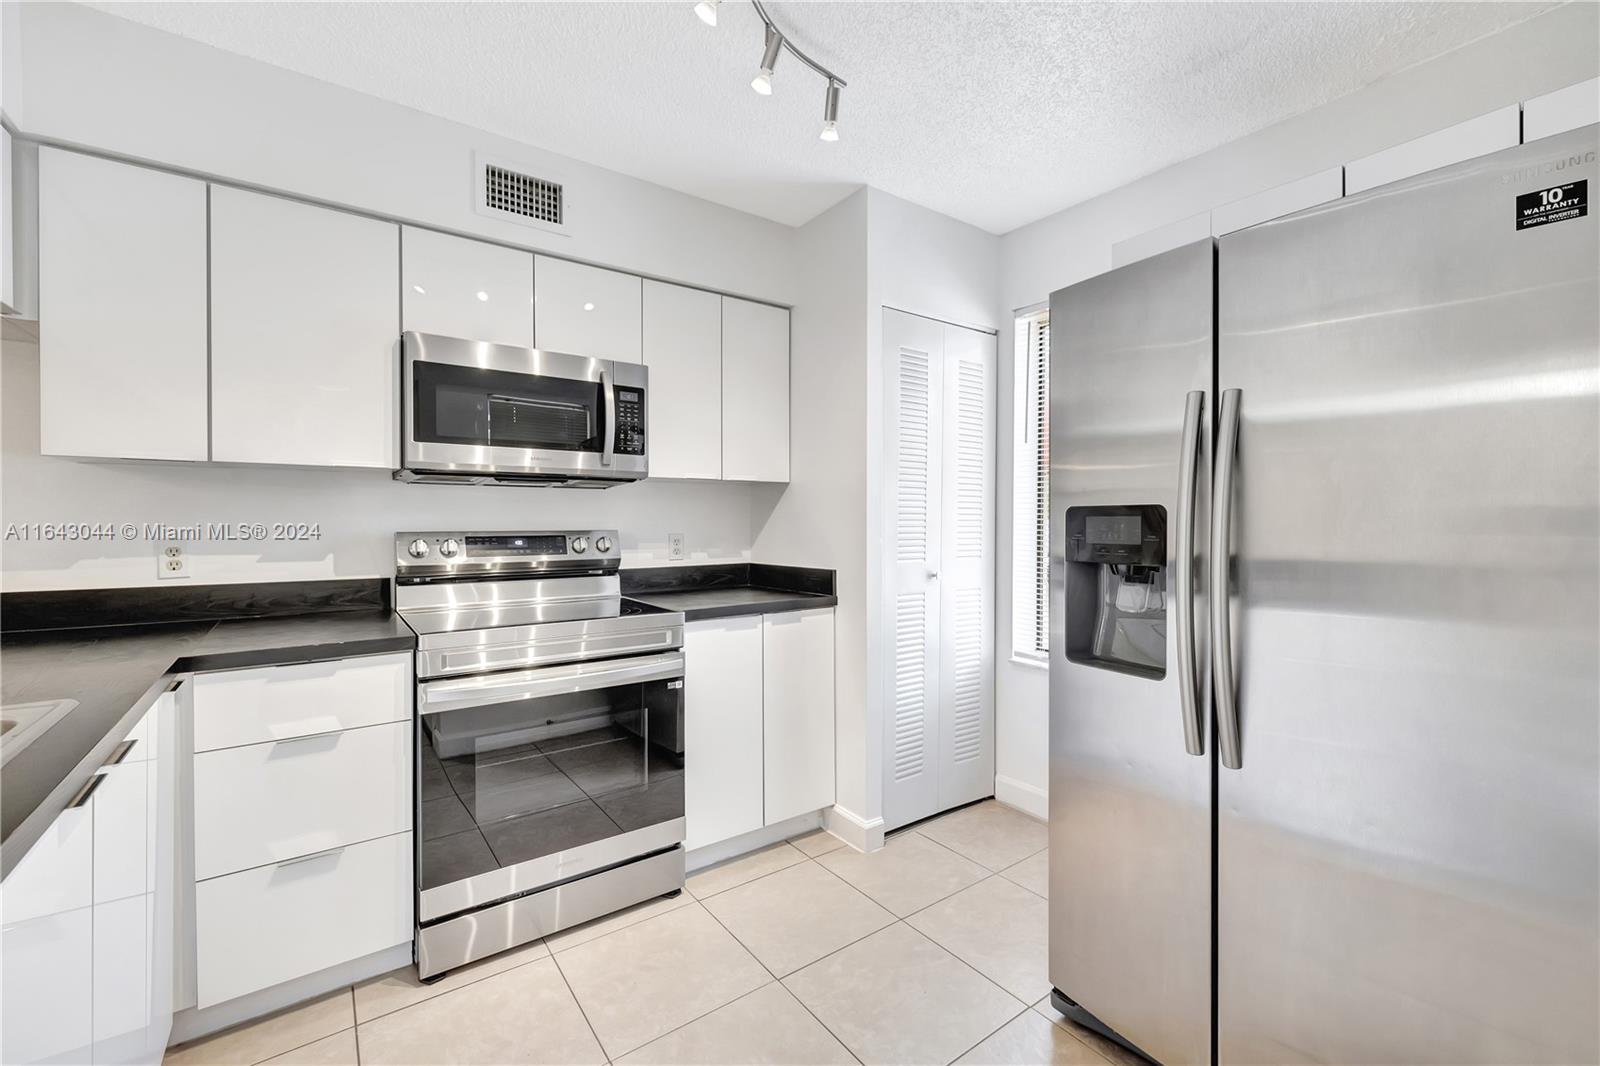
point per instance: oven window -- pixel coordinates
(496, 408)
(509, 783)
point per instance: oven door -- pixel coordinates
(490, 409)
(531, 777)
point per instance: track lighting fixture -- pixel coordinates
(830, 112)
(762, 82)
(775, 45)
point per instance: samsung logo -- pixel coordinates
(1549, 166)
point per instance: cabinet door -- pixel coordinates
(46, 946)
(683, 349)
(583, 310)
(122, 915)
(797, 698)
(464, 288)
(305, 312)
(722, 696)
(755, 391)
(122, 302)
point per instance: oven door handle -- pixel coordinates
(608, 389)
(438, 697)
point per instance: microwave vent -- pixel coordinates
(507, 192)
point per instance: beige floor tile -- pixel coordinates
(1032, 873)
(999, 929)
(990, 833)
(336, 1050)
(1030, 1039)
(392, 991)
(897, 997)
(525, 1015)
(907, 873)
(1109, 1050)
(794, 917)
(644, 981)
(582, 934)
(818, 842)
(273, 1035)
(769, 1026)
(745, 868)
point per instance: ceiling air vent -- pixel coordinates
(506, 192)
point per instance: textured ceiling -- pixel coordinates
(994, 113)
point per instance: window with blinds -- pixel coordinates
(1030, 555)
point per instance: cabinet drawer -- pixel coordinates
(268, 802)
(282, 702)
(269, 925)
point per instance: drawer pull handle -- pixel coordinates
(85, 792)
(120, 752)
(314, 855)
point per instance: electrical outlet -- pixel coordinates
(171, 562)
(675, 546)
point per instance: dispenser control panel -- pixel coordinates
(1132, 534)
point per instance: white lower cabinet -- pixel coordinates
(266, 926)
(797, 711)
(722, 755)
(758, 698)
(86, 948)
(302, 820)
(47, 946)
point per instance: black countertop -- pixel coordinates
(723, 590)
(116, 672)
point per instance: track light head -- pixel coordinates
(830, 112)
(762, 82)
(707, 10)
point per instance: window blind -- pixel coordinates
(1030, 589)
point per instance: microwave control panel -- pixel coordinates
(630, 421)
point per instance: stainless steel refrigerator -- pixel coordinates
(1325, 756)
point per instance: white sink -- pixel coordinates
(20, 723)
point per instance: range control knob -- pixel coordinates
(580, 545)
(418, 548)
(449, 547)
(603, 545)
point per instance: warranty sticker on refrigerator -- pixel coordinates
(1555, 204)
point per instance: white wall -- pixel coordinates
(818, 520)
(359, 510)
(1545, 53)
(83, 77)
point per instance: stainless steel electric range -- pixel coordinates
(549, 738)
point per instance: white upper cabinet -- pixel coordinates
(683, 351)
(305, 322)
(755, 392)
(464, 288)
(583, 310)
(122, 310)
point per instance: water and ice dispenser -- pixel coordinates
(1116, 588)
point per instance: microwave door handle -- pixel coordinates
(608, 389)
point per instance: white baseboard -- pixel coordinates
(860, 833)
(722, 850)
(193, 1023)
(1024, 797)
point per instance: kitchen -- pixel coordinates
(492, 576)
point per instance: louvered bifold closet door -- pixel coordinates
(966, 574)
(914, 348)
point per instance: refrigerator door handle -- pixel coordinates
(1183, 574)
(1221, 629)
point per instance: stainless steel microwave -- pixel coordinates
(479, 413)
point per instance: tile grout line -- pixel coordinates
(445, 991)
(604, 1053)
(701, 899)
(1084, 1043)
(293, 1006)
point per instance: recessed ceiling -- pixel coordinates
(994, 113)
